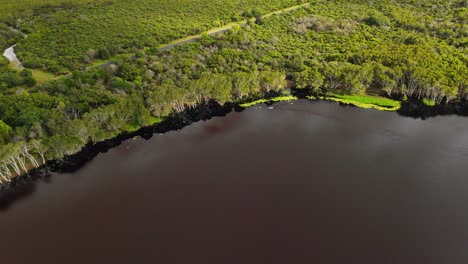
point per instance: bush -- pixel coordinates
(128, 72)
(377, 19)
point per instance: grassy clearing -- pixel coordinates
(39, 75)
(363, 101)
(428, 102)
(42, 76)
(98, 62)
(271, 100)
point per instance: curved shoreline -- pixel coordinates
(206, 111)
(24, 185)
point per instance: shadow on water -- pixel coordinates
(175, 122)
(21, 187)
(15, 193)
(416, 109)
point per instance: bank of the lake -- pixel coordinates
(175, 121)
(410, 107)
(159, 125)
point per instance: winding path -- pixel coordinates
(224, 28)
(213, 31)
(11, 56)
(16, 63)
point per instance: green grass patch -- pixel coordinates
(98, 62)
(155, 120)
(428, 102)
(363, 101)
(271, 100)
(39, 75)
(42, 76)
(286, 92)
(132, 127)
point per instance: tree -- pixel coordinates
(63, 145)
(383, 80)
(377, 19)
(244, 84)
(128, 72)
(309, 78)
(28, 78)
(40, 148)
(30, 81)
(104, 54)
(5, 131)
(272, 81)
(259, 20)
(30, 115)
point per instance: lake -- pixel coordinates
(301, 182)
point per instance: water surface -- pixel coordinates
(305, 182)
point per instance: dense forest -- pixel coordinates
(67, 37)
(401, 49)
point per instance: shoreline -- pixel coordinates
(25, 184)
(411, 108)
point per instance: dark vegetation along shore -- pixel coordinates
(407, 56)
(20, 187)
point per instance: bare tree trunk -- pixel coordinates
(25, 152)
(42, 156)
(12, 163)
(5, 176)
(6, 169)
(21, 162)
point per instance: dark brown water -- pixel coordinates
(300, 183)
